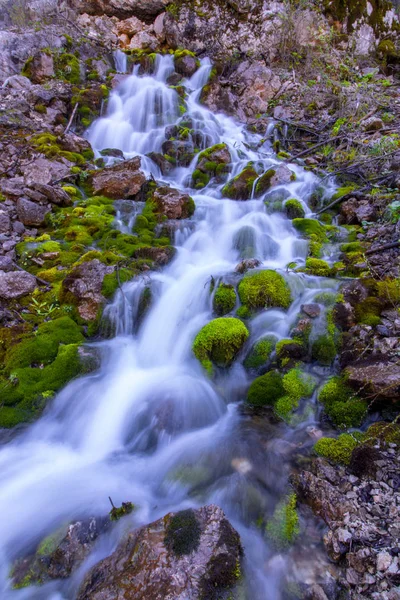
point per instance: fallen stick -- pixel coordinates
(354, 194)
(384, 247)
(71, 119)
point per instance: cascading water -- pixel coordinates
(150, 426)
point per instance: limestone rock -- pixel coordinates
(184, 556)
(84, 284)
(124, 180)
(45, 171)
(16, 284)
(145, 10)
(30, 213)
(375, 377)
(172, 203)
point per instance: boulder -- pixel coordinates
(311, 310)
(5, 221)
(6, 264)
(353, 212)
(146, 10)
(172, 203)
(73, 143)
(30, 213)
(186, 65)
(162, 163)
(188, 555)
(83, 287)
(246, 264)
(12, 187)
(52, 193)
(375, 377)
(61, 553)
(16, 284)
(124, 180)
(40, 67)
(180, 151)
(45, 171)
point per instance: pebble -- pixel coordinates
(383, 561)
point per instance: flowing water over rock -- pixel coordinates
(150, 426)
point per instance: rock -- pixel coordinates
(383, 561)
(192, 554)
(172, 203)
(372, 124)
(246, 264)
(160, 256)
(5, 221)
(83, 286)
(61, 553)
(113, 152)
(45, 171)
(16, 284)
(73, 143)
(124, 180)
(311, 310)
(182, 152)
(375, 377)
(12, 187)
(186, 65)
(17, 82)
(40, 67)
(146, 10)
(353, 212)
(30, 213)
(163, 164)
(54, 194)
(344, 315)
(6, 264)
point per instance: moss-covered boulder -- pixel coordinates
(224, 299)
(273, 177)
(324, 349)
(241, 186)
(314, 231)
(341, 404)
(296, 385)
(290, 349)
(200, 543)
(172, 203)
(212, 163)
(264, 289)
(266, 390)
(260, 353)
(219, 342)
(318, 267)
(338, 450)
(294, 209)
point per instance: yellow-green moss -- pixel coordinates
(264, 289)
(219, 341)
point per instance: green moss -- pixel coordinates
(125, 509)
(389, 291)
(68, 68)
(241, 186)
(260, 353)
(294, 209)
(338, 450)
(328, 299)
(224, 300)
(368, 311)
(43, 348)
(386, 432)
(264, 182)
(219, 341)
(296, 385)
(351, 247)
(287, 348)
(324, 349)
(309, 227)
(112, 281)
(264, 289)
(284, 528)
(343, 409)
(182, 534)
(266, 390)
(316, 266)
(11, 416)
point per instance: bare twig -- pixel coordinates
(68, 127)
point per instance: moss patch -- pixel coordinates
(224, 299)
(338, 450)
(264, 289)
(183, 532)
(284, 528)
(219, 341)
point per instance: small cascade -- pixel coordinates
(150, 426)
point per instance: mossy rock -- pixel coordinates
(266, 390)
(264, 182)
(294, 209)
(224, 299)
(290, 350)
(244, 241)
(219, 342)
(314, 231)
(260, 353)
(284, 528)
(338, 450)
(318, 267)
(323, 349)
(367, 312)
(264, 289)
(343, 408)
(241, 186)
(183, 532)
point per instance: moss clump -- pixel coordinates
(386, 432)
(289, 349)
(296, 385)
(338, 450)
(68, 68)
(260, 353)
(116, 513)
(389, 291)
(323, 349)
(368, 311)
(224, 299)
(200, 179)
(266, 390)
(314, 231)
(219, 341)
(264, 289)
(182, 534)
(343, 409)
(294, 209)
(284, 528)
(318, 267)
(241, 186)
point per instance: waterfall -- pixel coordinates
(150, 427)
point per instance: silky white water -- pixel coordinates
(150, 427)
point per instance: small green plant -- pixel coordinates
(43, 309)
(283, 528)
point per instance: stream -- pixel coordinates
(149, 426)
